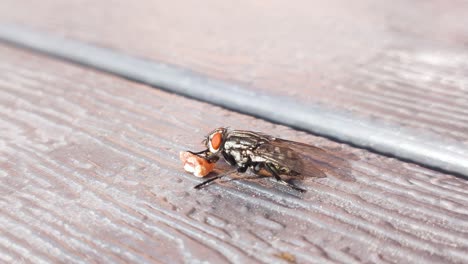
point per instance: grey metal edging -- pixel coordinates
(423, 148)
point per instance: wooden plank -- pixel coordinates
(89, 172)
(400, 62)
(420, 147)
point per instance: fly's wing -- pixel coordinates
(308, 160)
(293, 156)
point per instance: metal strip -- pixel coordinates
(424, 148)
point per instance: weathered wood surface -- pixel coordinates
(402, 62)
(89, 171)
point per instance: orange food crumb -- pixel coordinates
(199, 166)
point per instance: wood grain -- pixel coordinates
(89, 172)
(400, 62)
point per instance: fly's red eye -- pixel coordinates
(216, 141)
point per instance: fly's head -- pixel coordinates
(215, 140)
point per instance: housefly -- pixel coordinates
(262, 153)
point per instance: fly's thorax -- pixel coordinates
(239, 157)
(239, 139)
(241, 147)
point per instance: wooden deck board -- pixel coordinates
(400, 62)
(89, 170)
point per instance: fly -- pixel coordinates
(263, 153)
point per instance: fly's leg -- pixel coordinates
(200, 185)
(199, 152)
(211, 158)
(238, 169)
(242, 169)
(229, 159)
(257, 167)
(275, 174)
